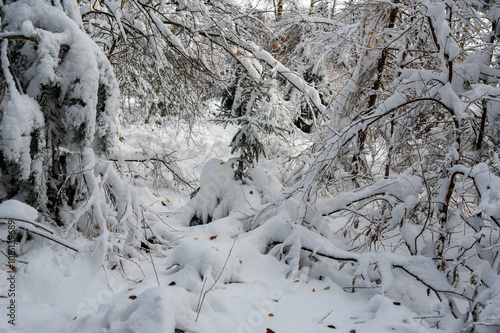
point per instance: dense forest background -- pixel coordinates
(383, 116)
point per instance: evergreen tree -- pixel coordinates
(58, 117)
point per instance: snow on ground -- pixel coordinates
(206, 278)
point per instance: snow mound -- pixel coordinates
(156, 310)
(13, 209)
(203, 259)
(221, 194)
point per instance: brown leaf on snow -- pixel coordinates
(331, 326)
(172, 283)
(213, 237)
(268, 330)
(132, 297)
(396, 303)
(11, 267)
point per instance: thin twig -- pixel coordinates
(199, 299)
(326, 316)
(36, 224)
(52, 239)
(216, 280)
(149, 250)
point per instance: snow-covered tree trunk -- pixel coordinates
(58, 116)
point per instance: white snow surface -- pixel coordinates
(218, 268)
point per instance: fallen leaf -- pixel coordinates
(251, 192)
(130, 289)
(222, 163)
(196, 238)
(138, 281)
(352, 331)
(163, 203)
(1, 296)
(11, 267)
(96, 227)
(114, 266)
(314, 290)
(268, 330)
(271, 315)
(213, 237)
(397, 303)
(326, 288)
(172, 283)
(132, 297)
(331, 326)
(296, 281)
(74, 318)
(321, 277)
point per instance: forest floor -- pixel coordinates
(58, 290)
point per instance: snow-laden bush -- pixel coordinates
(221, 192)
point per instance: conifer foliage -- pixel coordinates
(58, 118)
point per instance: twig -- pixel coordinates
(216, 280)
(156, 159)
(326, 316)
(48, 237)
(149, 250)
(17, 260)
(199, 299)
(36, 224)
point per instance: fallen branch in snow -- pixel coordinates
(44, 232)
(354, 259)
(156, 159)
(412, 265)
